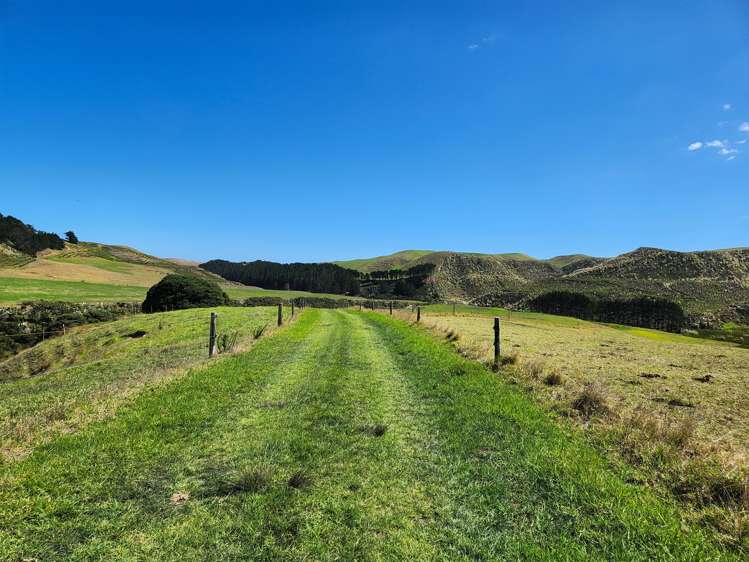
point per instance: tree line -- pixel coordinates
(647, 312)
(25, 238)
(324, 278)
(397, 283)
(312, 277)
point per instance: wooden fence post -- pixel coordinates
(280, 313)
(292, 308)
(418, 314)
(496, 343)
(391, 308)
(212, 336)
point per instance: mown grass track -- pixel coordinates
(344, 436)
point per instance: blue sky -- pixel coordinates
(330, 130)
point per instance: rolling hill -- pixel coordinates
(92, 263)
(712, 286)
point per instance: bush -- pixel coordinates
(175, 292)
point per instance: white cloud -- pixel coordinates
(484, 42)
(730, 158)
(715, 144)
(744, 127)
(727, 151)
(742, 141)
(727, 107)
(694, 146)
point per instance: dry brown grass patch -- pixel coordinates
(592, 401)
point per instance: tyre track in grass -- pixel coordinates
(336, 420)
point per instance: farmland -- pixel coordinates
(670, 405)
(95, 368)
(343, 435)
(14, 290)
(639, 366)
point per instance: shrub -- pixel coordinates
(176, 292)
(553, 379)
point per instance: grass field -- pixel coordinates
(344, 436)
(637, 365)
(674, 406)
(94, 369)
(14, 290)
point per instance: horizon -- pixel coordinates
(326, 133)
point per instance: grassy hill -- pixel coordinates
(712, 286)
(93, 272)
(409, 258)
(398, 260)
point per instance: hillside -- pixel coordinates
(398, 260)
(410, 258)
(712, 286)
(92, 263)
(19, 237)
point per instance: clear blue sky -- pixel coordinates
(329, 130)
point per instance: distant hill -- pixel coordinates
(409, 258)
(712, 286)
(398, 260)
(93, 263)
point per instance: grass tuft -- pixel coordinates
(553, 379)
(299, 480)
(248, 481)
(592, 401)
(257, 333)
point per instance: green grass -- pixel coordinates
(345, 436)
(398, 260)
(244, 292)
(676, 410)
(14, 290)
(107, 264)
(464, 309)
(65, 383)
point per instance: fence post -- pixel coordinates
(496, 343)
(63, 329)
(418, 314)
(212, 336)
(280, 313)
(391, 308)
(292, 308)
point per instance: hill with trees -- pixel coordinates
(26, 239)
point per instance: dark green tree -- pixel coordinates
(25, 238)
(176, 292)
(71, 237)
